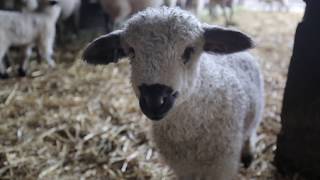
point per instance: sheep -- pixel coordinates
(24, 29)
(225, 6)
(7, 4)
(204, 95)
(18, 5)
(195, 6)
(118, 11)
(173, 3)
(281, 4)
(69, 16)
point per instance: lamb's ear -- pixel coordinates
(105, 49)
(224, 41)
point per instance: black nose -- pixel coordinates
(156, 100)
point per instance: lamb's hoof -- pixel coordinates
(21, 72)
(246, 160)
(4, 76)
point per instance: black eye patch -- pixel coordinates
(187, 54)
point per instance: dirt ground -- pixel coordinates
(83, 122)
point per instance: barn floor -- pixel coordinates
(83, 122)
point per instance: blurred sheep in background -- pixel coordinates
(227, 9)
(118, 11)
(272, 5)
(18, 5)
(69, 18)
(26, 29)
(198, 6)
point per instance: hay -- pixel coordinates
(82, 122)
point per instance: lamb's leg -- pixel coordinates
(27, 51)
(248, 150)
(213, 10)
(3, 69)
(173, 3)
(46, 51)
(199, 6)
(225, 15)
(231, 14)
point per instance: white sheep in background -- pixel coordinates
(173, 3)
(226, 7)
(276, 4)
(204, 95)
(118, 11)
(70, 15)
(69, 7)
(25, 29)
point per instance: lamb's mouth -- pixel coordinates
(156, 117)
(157, 105)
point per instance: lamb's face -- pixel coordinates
(164, 46)
(164, 53)
(163, 73)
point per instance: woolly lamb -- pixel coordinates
(118, 11)
(205, 97)
(24, 29)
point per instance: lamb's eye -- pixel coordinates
(131, 53)
(187, 54)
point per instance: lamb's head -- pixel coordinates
(164, 47)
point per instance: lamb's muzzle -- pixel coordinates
(156, 100)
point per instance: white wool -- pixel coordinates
(214, 118)
(220, 96)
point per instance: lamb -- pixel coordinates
(204, 95)
(24, 29)
(118, 11)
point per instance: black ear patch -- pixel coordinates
(224, 41)
(104, 50)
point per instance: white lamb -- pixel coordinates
(25, 29)
(205, 98)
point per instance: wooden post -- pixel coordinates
(298, 145)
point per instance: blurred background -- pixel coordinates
(74, 121)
